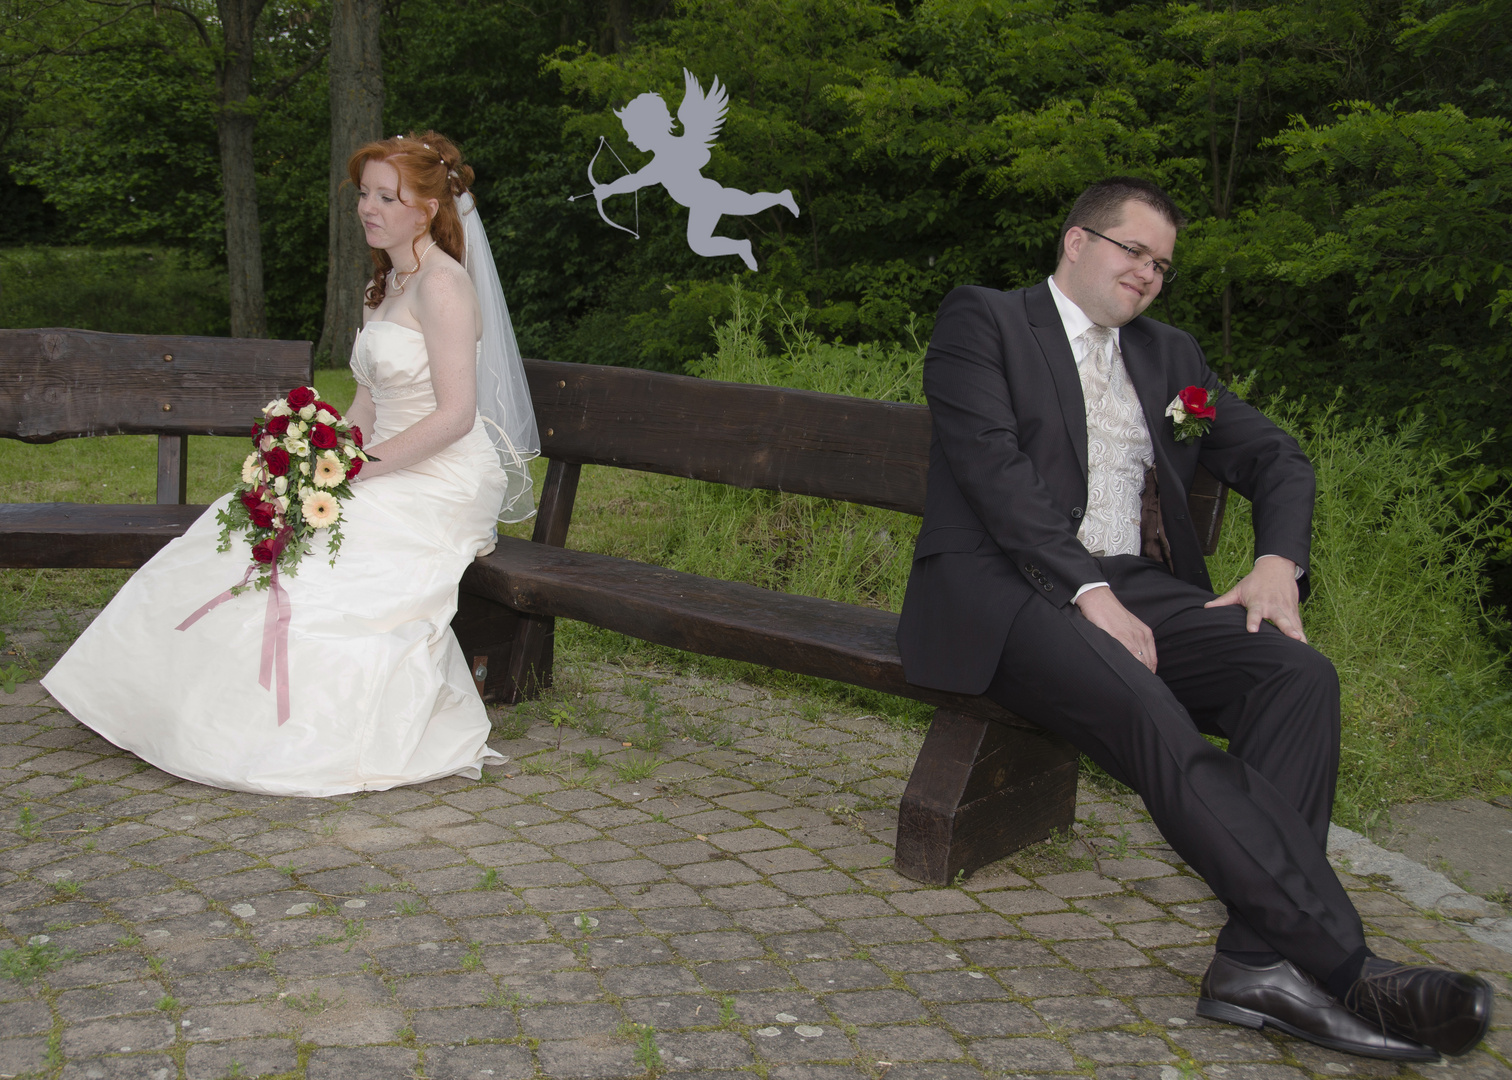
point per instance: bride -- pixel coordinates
(380, 694)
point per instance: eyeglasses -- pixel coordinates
(1166, 271)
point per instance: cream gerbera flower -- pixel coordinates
(251, 468)
(329, 471)
(320, 509)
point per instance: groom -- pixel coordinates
(1057, 572)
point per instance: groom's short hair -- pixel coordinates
(1101, 206)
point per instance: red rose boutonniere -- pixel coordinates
(1192, 412)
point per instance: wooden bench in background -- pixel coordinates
(986, 781)
(63, 384)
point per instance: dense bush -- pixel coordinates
(135, 290)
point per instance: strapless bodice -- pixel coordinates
(391, 361)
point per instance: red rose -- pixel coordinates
(299, 397)
(354, 468)
(256, 433)
(1194, 399)
(249, 499)
(328, 407)
(356, 434)
(277, 460)
(262, 515)
(323, 436)
(278, 426)
(264, 551)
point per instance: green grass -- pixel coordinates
(1397, 602)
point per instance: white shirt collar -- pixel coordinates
(1073, 318)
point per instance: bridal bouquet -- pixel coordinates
(293, 482)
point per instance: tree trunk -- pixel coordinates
(356, 118)
(238, 172)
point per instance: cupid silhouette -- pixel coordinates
(677, 165)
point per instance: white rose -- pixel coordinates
(267, 442)
(304, 468)
(283, 503)
(301, 428)
(280, 484)
(324, 417)
(277, 407)
(308, 412)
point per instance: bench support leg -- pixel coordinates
(500, 636)
(173, 469)
(981, 790)
(519, 648)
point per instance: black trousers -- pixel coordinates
(1253, 821)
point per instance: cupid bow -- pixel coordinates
(599, 199)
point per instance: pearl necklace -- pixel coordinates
(400, 277)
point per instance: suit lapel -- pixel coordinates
(1149, 382)
(1045, 321)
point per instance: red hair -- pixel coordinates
(430, 167)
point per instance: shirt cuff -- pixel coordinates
(1089, 586)
(1298, 576)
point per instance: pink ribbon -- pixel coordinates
(275, 650)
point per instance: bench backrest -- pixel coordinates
(62, 384)
(797, 441)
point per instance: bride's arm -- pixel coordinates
(448, 314)
(361, 412)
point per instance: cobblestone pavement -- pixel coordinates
(714, 900)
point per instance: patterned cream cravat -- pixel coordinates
(1098, 342)
(1118, 449)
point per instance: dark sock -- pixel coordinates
(1263, 958)
(1346, 974)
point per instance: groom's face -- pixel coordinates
(1103, 279)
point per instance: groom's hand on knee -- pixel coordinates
(1104, 611)
(1269, 591)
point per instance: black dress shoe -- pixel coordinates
(1447, 1010)
(1284, 997)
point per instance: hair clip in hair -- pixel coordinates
(426, 145)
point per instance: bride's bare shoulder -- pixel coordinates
(446, 286)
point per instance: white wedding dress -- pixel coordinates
(380, 694)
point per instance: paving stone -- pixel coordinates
(457, 1026)
(877, 1007)
(569, 1021)
(1024, 1054)
(245, 1057)
(1117, 1047)
(478, 1062)
(118, 1036)
(908, 1043)
(361, 1062)
(587, 1060)
(704, 1050)
(123, 1067)
(885, 930)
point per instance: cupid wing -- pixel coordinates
(702, 115)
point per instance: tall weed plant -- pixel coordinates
(1397, 563)
(1398, 605)
(856, 554)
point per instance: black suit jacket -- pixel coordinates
(1008, 475)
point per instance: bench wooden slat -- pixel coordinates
(798, 441)
(805, 443)
(76, 535)
(801, 634)
(59, 384)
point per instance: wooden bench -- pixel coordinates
(986, 781)
(63, 384)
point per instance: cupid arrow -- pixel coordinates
(599, 199)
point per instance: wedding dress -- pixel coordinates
(380, 693)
